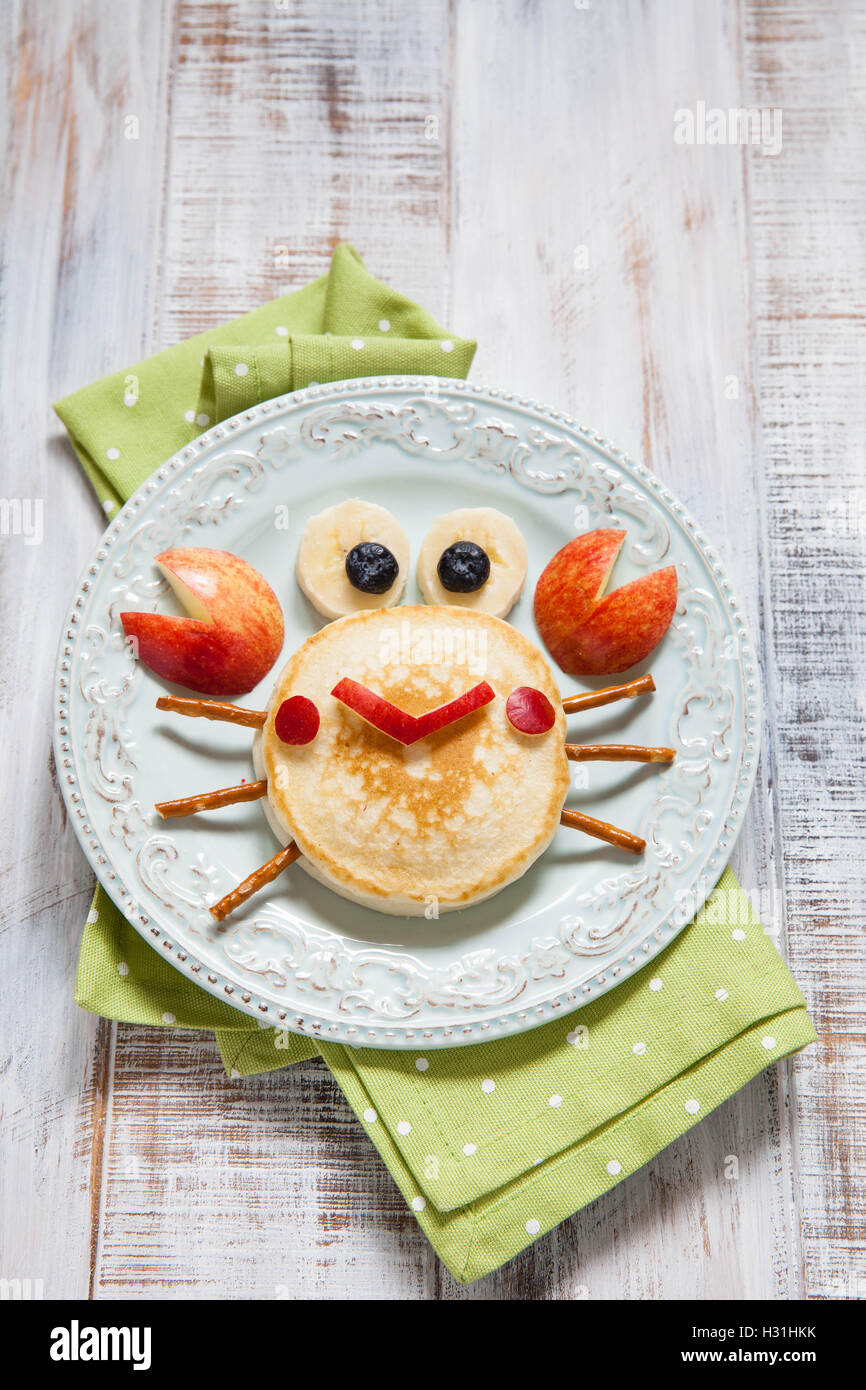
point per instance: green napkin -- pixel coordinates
(490, 1145)
(345, 324)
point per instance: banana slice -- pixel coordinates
(499, 539)
(327, 540)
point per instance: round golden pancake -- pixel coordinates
(444, 822)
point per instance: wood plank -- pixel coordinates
(261, 1188)
(75, 270)
(810, 320)
(326, 124)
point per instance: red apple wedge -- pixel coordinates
(589, 634)
(626, 625)
(572, 583)
(232, 635)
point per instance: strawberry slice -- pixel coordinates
(530, 711)
(297, 720)
(408, 728)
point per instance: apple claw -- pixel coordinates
(234, 632)
(587, 632)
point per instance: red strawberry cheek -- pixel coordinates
(530, 711)
(297, 720)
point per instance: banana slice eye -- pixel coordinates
(475, 558)
(352, 556)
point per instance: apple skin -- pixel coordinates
(376, 710)
(626, 625)
(590, 635)
(571, 584)
(467, 703)
(228, 655)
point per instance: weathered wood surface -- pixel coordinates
(514, 167)
(808, 255)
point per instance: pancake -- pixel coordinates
(444, 822)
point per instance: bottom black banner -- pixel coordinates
(174, 1337)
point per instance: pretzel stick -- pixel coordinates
(210, 801)
(213, 709)
(602, 831)
(266, 874)
(617, 753)
(573, 704)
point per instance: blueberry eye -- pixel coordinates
(371, 567)
(463, 568)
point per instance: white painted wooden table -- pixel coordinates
(171, 163)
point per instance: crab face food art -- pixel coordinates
(416, 788)
(413, 759)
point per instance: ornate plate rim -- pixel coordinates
(513, 1018)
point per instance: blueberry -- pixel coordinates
(371, 567)
(463, 568)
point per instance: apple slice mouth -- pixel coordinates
(406, 728)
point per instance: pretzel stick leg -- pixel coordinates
(213, 709)
(617, 753)
(266, 874)
(602, 831)
(593, 698)
(211, 801)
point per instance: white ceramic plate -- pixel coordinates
(299, 957)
